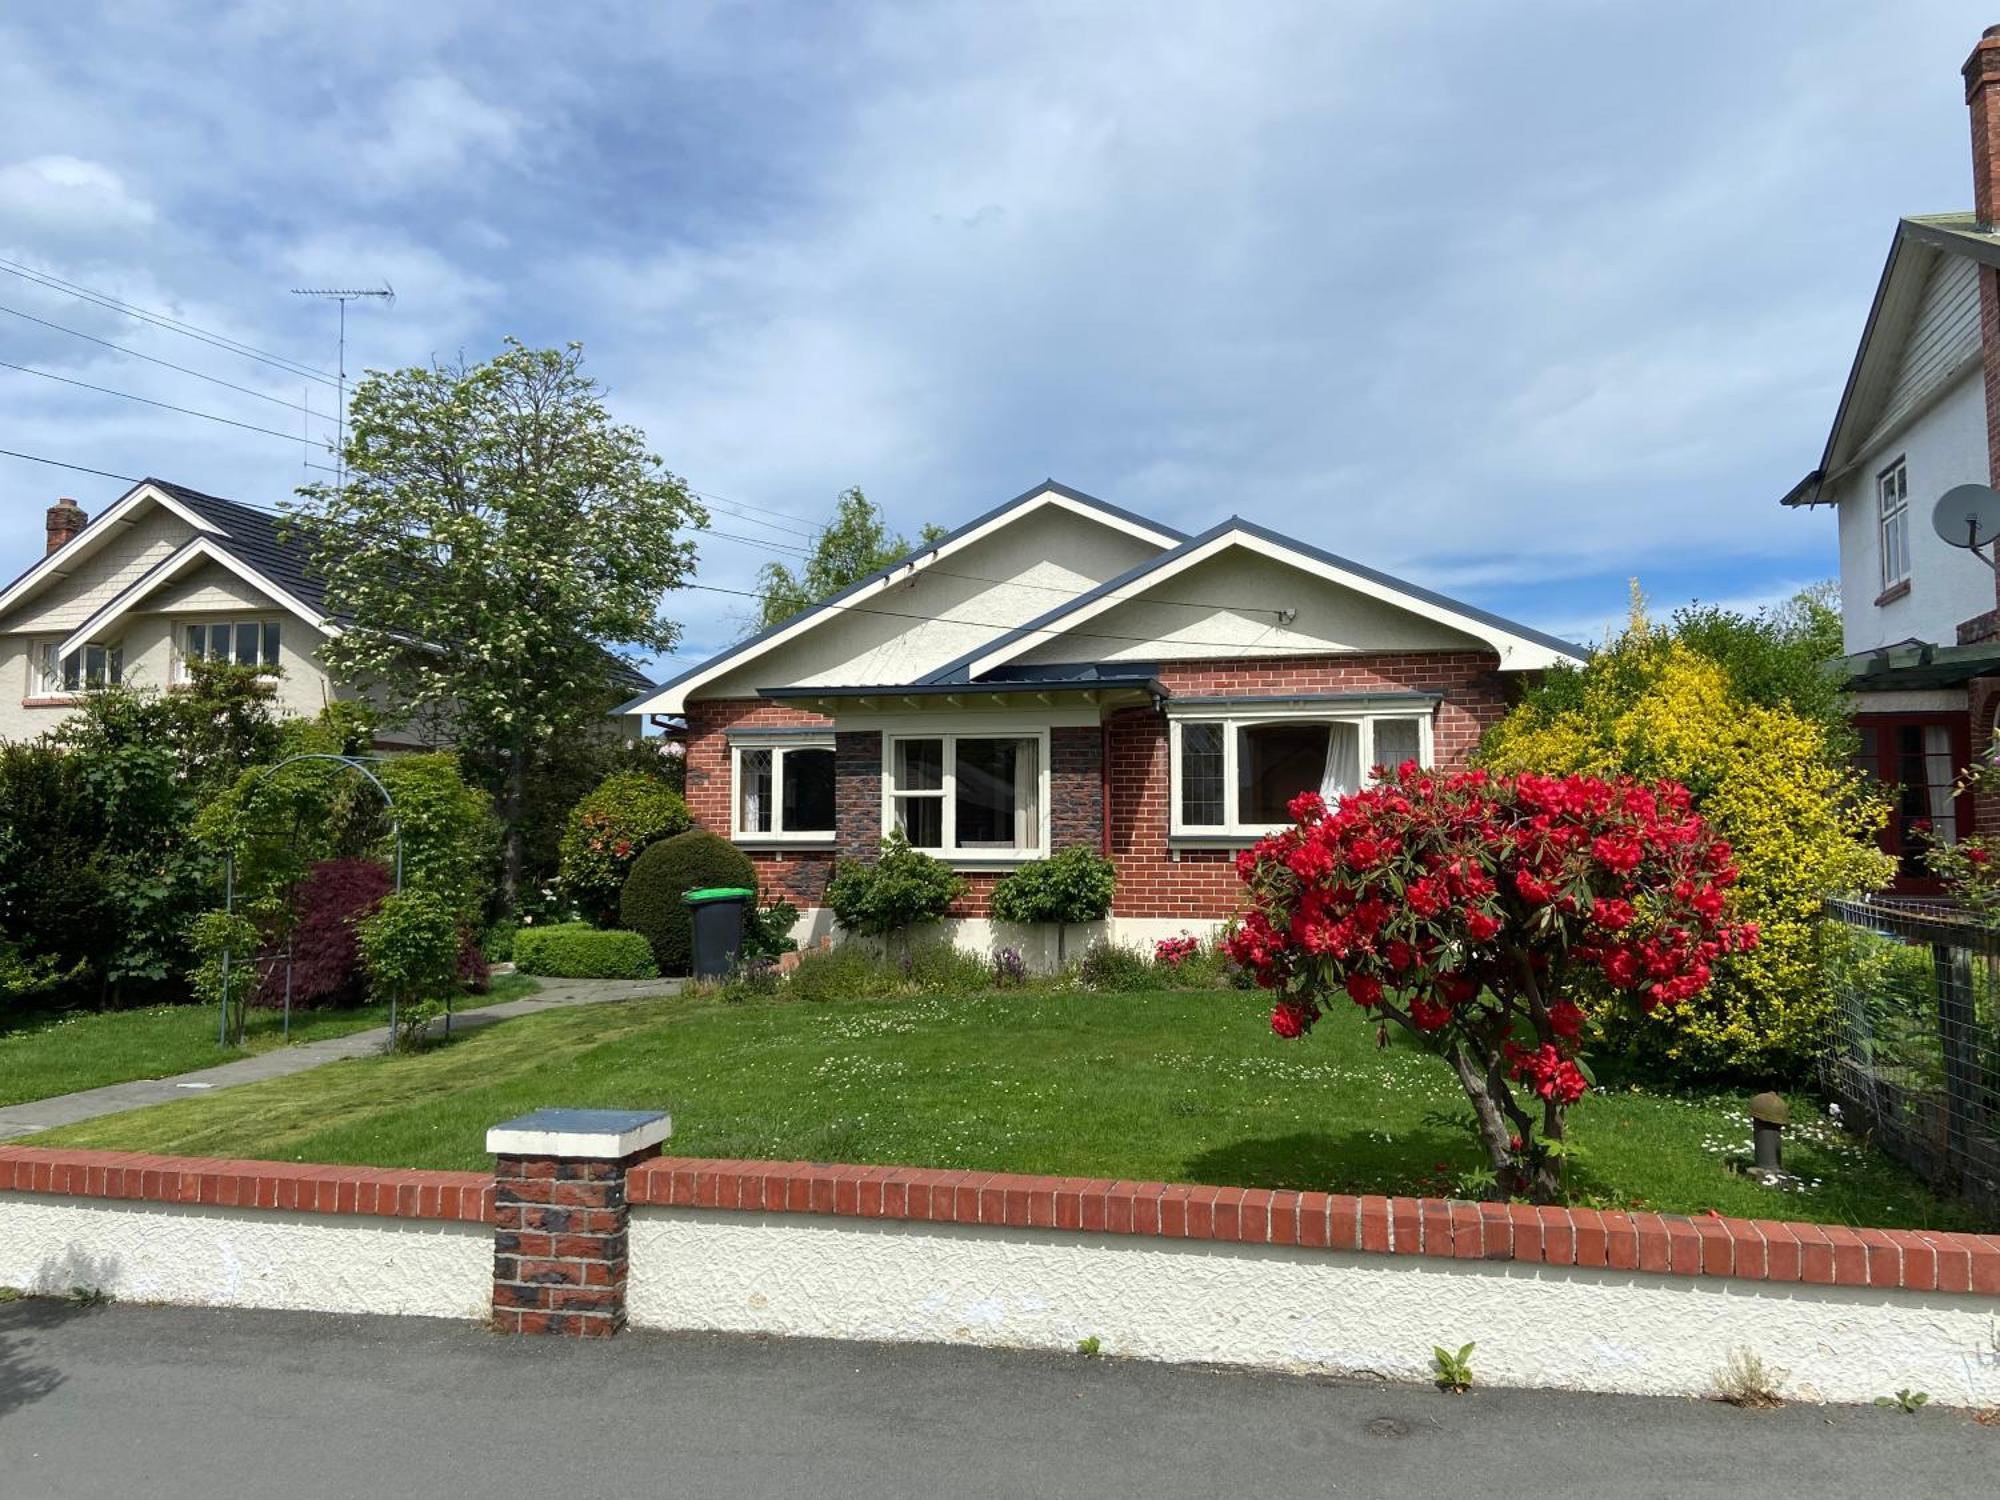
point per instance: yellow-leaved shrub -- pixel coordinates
(1803, 826)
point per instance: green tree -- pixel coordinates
(852, 545)
(498, 547)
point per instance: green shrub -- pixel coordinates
(1075, 885)
(768, 932)
(839, 973)
(1118, 970)
(945, 969)
(652, 903)
(607, 831)
(903, 887)
(576, 950)
(497, 943)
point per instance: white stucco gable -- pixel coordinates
(972, 586)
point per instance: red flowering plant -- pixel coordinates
(1490, 917)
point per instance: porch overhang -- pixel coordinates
(1915, 666)
(1096, 685)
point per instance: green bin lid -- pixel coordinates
(718, 893)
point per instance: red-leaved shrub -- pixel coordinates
(326, 957)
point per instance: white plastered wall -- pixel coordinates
(1280, 1308)
(226, 1257)
(1039, 560)
(1178, 619)
(1039, 944)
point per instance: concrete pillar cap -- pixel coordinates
(586, 1134)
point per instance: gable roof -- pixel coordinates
(245, 540)
(670, 696)
(1528, 648)
(1920, 242)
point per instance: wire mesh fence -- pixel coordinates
(1916, 1057)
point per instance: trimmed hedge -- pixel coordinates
(576, 950)
(665, 873)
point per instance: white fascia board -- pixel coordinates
(101, 529)
(672, 698)
(198, 550)
(1517, 653)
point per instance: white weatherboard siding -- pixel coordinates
(1178, 619)
(209, 587)
(226, 1257)
(941, 612)
(1943, 447)
(124, 556)
(1282, 1308)
(1943, 339)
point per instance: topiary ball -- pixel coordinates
(651, 903)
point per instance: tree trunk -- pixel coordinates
(512, 805)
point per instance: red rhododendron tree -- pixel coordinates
(1490, 917)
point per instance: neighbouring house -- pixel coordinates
(1060, 671)
(1920, 414)
(163, 576)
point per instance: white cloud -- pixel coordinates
(66, 195)
(428, 130)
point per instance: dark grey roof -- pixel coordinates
(1046, 487)
(253, 538)
(960, 669)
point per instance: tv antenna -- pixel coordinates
(1968, 516)
(344, 295)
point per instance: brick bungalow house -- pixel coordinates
(1919, 415)
(1060, 671)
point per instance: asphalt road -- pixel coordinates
(164, 1403)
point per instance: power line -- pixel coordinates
(165, 363)
(161, 320)
(186, 411)
(36, 458)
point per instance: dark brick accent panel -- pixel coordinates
(857, 793)
(559, 1244)
(1076, 787)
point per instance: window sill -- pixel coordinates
(1232, 839)
(783, 840)
(1892, 593)
(56, 700)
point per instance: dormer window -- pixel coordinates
(248, 643)
(1892, 490)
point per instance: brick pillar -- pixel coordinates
(559, 1239)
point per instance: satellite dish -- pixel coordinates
(1967, 515)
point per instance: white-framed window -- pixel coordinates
(1235, 771)
(45, 677)
(784, 789)
(1892, 491)
(968, 796)
(248, 643)
(96, 665)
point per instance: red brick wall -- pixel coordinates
(1200, 886)
(799, 876)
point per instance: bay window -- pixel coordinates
(784, 790)
(973, 796)
(1235, 773)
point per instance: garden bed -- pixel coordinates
(1182, 1086)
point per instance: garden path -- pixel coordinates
(87, 1104)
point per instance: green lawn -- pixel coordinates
(1187, 1086)
(45, 1055)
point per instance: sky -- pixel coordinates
(1518, 302)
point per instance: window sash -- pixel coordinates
(759, 788)
(1225, 792)
(1893, 503)
(931, 816)
(248, 643)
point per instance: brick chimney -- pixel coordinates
(65, 519)
(1982, 98)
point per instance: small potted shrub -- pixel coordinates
(1075, 885)
(902, 888)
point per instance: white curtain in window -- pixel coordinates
(1343, 761)
(1939, 775)
(1027, 794)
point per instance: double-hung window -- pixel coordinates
(1235, 772)
(784, 789)
(248, 643)
(1892, 491)
(970, 796)
(96, 665)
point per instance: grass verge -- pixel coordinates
(1186, 1086)
(42, 1056)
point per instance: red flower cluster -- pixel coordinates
(1499, 905)
(1175, 951)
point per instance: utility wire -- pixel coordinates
(186, 411)
(161, 320)
(165, 363)
(36, 458)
